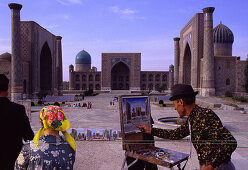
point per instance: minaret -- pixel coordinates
(16, 59)
(176, 59)
(171, 77)
(208, 83)
(71, 80)
(59, 66)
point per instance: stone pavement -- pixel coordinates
(108, 155)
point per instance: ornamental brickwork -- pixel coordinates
(34, 51)
(208, 73)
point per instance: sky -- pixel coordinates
(124, 26)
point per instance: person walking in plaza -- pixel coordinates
(49, 150)
(14, 126)
(213, 143)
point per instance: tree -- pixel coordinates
(246, 76)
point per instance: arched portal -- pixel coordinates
(187, 65)
(120, 77)
(45, 68)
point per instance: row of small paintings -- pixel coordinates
(95, 134)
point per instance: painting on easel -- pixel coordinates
(135, 110)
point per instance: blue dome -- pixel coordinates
(83, 58)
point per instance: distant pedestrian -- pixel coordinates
(14, 126)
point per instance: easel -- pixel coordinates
(179, 158)
(134, 144)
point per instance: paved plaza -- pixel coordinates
(108, 155)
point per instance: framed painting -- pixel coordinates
(134, 111)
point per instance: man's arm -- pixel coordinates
(175, 134)
(27, 131)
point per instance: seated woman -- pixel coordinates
(49, 150)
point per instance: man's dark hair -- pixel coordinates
(4, 83)
(189, 99)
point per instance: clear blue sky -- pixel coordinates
(106, 26)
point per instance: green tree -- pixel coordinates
(246, 76)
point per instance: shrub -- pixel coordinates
(40, 102)
(161, 102)
(228, 94)
(63, 102)
(164, 105)
(88, 92)
(32, 104)
(56, 104)
(241, 99)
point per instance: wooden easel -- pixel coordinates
(136, 147)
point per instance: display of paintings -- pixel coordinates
(135, 110)
(98, 134)
(94, 134)
(77, 133)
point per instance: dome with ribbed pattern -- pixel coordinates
(222, 34)
(5, 56)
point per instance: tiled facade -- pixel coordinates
(196, 63)
(36, 58)
(120, 71)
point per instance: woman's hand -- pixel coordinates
(145, 129)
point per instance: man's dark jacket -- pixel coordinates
(14, 127)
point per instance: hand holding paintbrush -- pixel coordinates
(145, 128)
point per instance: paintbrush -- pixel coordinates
(141, 129)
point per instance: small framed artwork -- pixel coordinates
(77, 133)
(98, 134)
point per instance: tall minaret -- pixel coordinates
(208, 83)
(171, 77)
(59, 66)
(71, 80)
(176, 59)
(16, 59)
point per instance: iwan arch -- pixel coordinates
(36, 61)
(203, 57)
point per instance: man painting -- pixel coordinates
(214, 144)
(14, 126)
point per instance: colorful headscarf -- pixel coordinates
(54, 117)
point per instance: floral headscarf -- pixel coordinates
(54, 117)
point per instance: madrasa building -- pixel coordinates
(36, 61)
(202, 57)
(120, 71)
